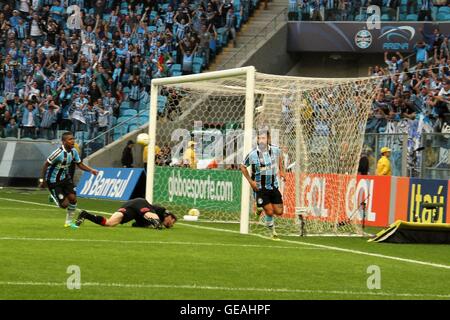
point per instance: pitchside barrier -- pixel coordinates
(218, 192)
(112, 184)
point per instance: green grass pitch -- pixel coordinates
(198, 260)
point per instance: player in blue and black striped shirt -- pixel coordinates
(56, 176)
(266, 164)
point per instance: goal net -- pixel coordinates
(202, 127)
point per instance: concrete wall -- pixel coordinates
(21, 161)
(111, 155)
(273, 57)
(334, 65)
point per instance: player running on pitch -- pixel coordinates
(56, 176)
(146, 215)
(266, 163)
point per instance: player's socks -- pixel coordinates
(91, 217)
(70, 213)
(269, 222)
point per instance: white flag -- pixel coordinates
(74, 20)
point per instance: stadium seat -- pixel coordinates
(442, 17)
(197, 65)
(385, 17)
(238, 20)
(402, 17)
(85, 136)
(359, 17)
(176, 68)
(143, 119)
(117, 135)
(79, 136)
(123, 119)
(120, 131)
(412, 17)
(445, 10)
(144, 113)
(162, 100)
(153, 15)
(434, 13)
(222, 36)
(174, 55)
(132, 127)
(213, 47)
(113, 121)
(128, 113)
(125, 105)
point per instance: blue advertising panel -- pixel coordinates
(423, 191)
(359, 37)
(110, 183)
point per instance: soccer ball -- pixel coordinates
(142, 139)
(194, 212)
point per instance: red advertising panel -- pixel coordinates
(375, 191)
(401, 199)
(327, 195)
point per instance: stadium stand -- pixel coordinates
(87, 69)
(345, 10)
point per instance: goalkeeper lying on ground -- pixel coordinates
(145, 215)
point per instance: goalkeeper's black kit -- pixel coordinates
(135, 210)
(132, 210)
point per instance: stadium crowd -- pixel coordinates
(349, 10)
(412, 91)
(62, 68)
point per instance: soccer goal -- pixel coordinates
(202, 127)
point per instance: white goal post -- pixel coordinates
(249, 73)
(318, 124)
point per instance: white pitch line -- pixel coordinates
(34, 209)
(430, 264)
(233, 289)
(211, 244)
(377, 255)
(48, 205)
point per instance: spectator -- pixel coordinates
(3, 119)
(30, 120)
(394, 65)
(189, 156)
(49, 113)
(135, 93)
(425, 10)
(384, 164)
(363, 167)
(127, 155)
(91, 119)
(12, 129)
(421, 49)
(52, 74)
(411, 6)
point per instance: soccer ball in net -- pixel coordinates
(142, 139)
(194, 212)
